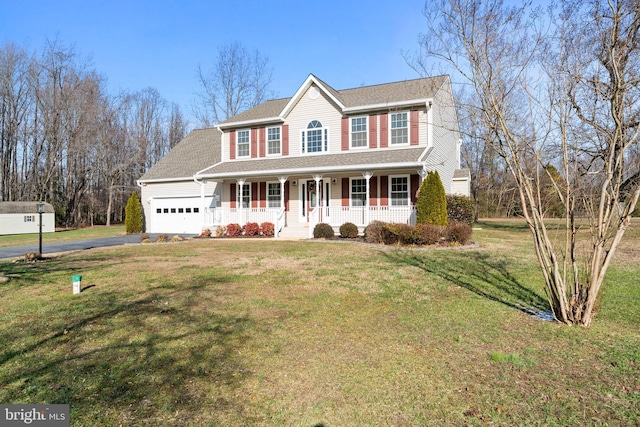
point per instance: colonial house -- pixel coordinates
(323, 155)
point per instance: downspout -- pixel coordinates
(202, 204)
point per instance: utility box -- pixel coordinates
(77, 280)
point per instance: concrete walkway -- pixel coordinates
(77, 245)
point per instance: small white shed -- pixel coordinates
(23, 218)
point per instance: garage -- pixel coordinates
(179, 215)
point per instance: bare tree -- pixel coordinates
(579, 111)
(237, 81)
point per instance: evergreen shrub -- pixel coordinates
(348, 230)
(133, 217)
(323, 231)
(460, 209)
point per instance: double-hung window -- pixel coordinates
(358, 192)
(273, 195)
(273, 140)
(399, 128)
(358, 132)
(245, 197)
(243, 143)
(315, 139)
(399, 191)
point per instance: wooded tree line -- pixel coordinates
(66, 141)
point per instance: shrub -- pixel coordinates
(429, 234)
(459, 232)
(220, 230)
(431, 206)
(323, 231)
(402, 234)
(144, 238)
(133, 218)
(349, 230)
(373, 232)
(234, 230)
(267, 229)
(460, 209)
(251, 229)
(205, 233)
(163, 238)
(177, 238)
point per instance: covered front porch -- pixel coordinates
(332, 215)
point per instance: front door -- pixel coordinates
(313, 197)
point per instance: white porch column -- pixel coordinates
(241, 199)
(317, 179)
(367, 214)
(282, 180)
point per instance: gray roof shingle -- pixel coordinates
(325, 162)
(23, 208)
(407, 90)
(198, 150)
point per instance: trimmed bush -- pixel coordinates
(459, 232)
(177, 238)
(400, 234)
(133, 218)
(267, 229)
(205, 233)
(163, 238)
(251, 229)
(373, 232)
(144, 238)
(323, 231)
(460, 209)
(429, 234)
(234, 230)
(431, 206)
(348, 230)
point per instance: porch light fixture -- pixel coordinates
(334, 181)
(294, 182)
(40, 210)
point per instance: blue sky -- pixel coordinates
(137, 44)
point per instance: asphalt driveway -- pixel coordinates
(51, 248)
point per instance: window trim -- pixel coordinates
(390, 190)
(239, 196)
(366, 132)
(324, 135)
(277, 183)
(391, 128)
(279, 153)
(351, 193)
(248, 143)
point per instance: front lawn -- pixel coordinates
(267, 332)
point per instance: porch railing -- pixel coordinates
(333, 215)
(219, 216)
(361, 216)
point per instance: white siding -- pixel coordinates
(16, 224)
(306, 110)
(460, 187)
(175, 190)
(445, 137)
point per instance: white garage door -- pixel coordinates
(180, 215)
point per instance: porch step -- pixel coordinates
(294, 232)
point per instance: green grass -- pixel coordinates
(267, 332)
(61, 236)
